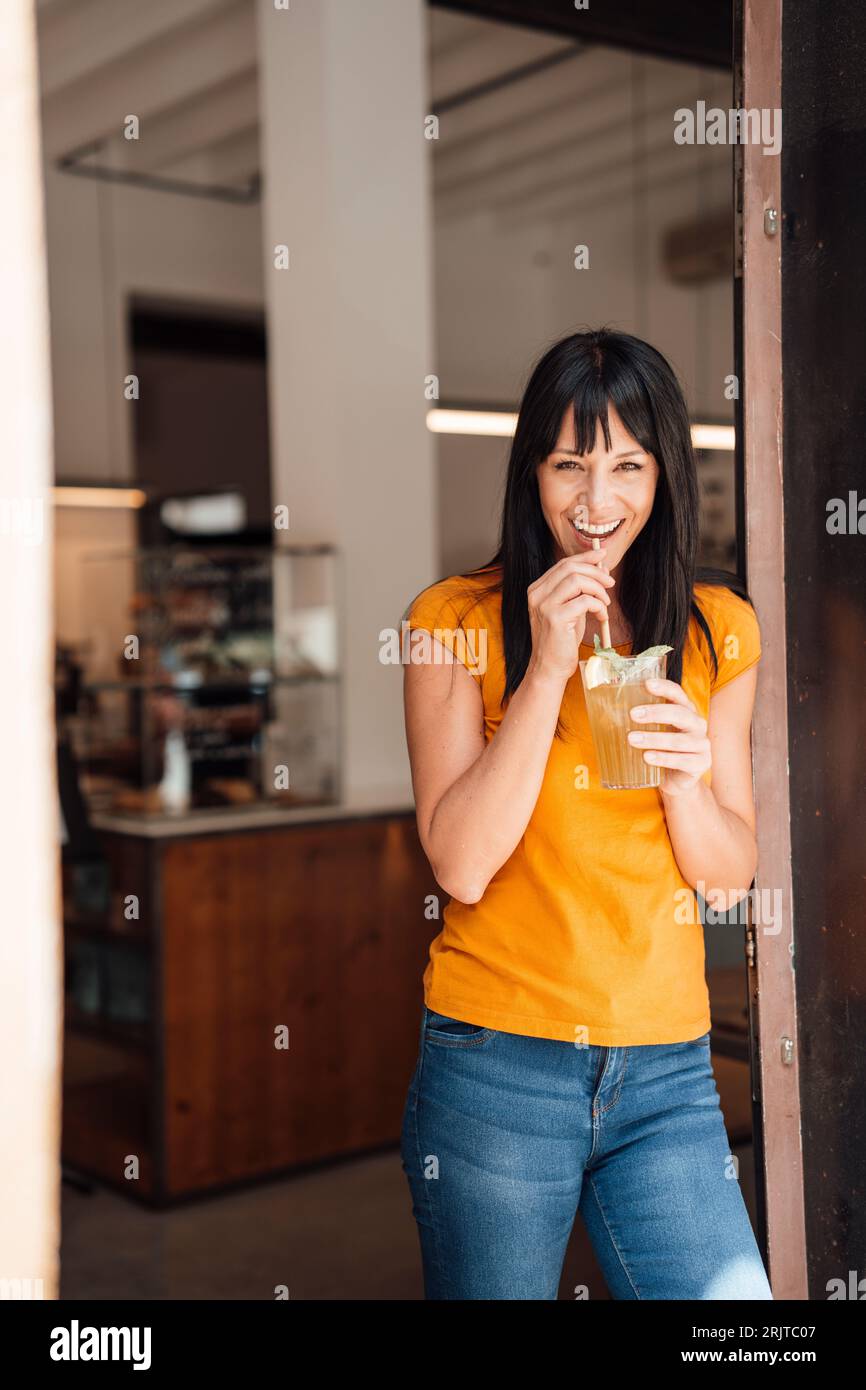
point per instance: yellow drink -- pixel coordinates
(609, 705)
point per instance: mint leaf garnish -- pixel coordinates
(622, 663)
(653, 651)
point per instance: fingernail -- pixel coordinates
(638, 712)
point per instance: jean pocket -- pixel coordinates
(453, 1032)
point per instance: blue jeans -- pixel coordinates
(505, 1138)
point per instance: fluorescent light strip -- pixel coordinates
(720, 437)
(502, 423)
(120, 498)
(490, 422)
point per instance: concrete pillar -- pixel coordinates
(345, 165)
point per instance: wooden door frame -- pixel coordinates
(770, 953)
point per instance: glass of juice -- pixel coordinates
(612, 686)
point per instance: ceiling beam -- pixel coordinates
(233, 160)
(492, 51)
(77, 40)
(184, 131)
(694, 31)
(594, 118)
(151, 80)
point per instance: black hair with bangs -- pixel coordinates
(586, 372)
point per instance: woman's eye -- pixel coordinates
(627, 464)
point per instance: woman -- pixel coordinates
(564, 1060)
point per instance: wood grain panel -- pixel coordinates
(320, 928)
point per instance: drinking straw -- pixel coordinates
(605, 626)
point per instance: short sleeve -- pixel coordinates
(452, 615)
(736, 637)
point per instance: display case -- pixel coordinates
(211, 679)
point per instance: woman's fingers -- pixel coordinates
(692, 763)
(681, 716)
(675, 743)
(584, 603)
(688, 752)
(659, 686)
(592, 560)
(573, 584)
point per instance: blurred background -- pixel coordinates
(300, 264)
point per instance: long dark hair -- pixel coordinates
(586, 372)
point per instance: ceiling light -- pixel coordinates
(491, 422)
(118, 497)
(502, 423)
(714, 437)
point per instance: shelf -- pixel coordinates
(96, 927)
(239, 683)
(136, 1036)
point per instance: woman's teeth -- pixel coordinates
(605, 530)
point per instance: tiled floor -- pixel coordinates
(341, 1232)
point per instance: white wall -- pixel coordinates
(107, 242)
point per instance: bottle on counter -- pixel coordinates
(174, 789)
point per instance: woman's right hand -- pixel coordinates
(558, 604)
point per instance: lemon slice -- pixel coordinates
(596, 672)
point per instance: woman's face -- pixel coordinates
(608, 494)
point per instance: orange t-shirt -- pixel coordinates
(588, 932)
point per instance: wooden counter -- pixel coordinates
(316, 928)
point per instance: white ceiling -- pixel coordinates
(520, 133)
(185, 68)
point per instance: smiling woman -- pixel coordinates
(604, 433)
(561, 956)
(605, 494)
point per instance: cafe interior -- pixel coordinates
(300, 261)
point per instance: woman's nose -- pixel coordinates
(594, 495)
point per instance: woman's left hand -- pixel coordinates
(685, 755)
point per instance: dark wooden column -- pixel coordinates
(823, 238)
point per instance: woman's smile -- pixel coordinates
(606, 495)
(587, 532)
